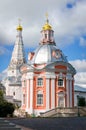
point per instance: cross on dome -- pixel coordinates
(47, 17)
(19, 20)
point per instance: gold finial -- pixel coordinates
(47, 17)
(19, 28)
(47, 26)
(19, 20)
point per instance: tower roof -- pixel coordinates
(18, 54)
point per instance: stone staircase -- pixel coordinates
(65, 112)
(6, 125)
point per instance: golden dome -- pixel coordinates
(19, 28)
(47, 26)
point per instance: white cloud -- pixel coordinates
(80, 78)
(3, 50)
(82, 41)
(80, 66)
(3, 74)
(67, 23)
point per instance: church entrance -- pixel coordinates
(61, 99)
(61, 102)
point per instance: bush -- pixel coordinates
(81, 101)
(6, 108)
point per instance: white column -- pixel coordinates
(22, 94)
(67, 87)
(47, 35)
(47, 94)
(52, 93)
(31, 95)
(27, 97)
(70, 93)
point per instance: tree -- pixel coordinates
(1, 96)
(6, 108)
(81, 101)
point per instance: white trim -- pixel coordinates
(67, 88)
(70, 93)
(47, 94)
(31, 95)
(52, 93)
(27, 95)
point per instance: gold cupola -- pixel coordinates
(47, 26)
(19, 27)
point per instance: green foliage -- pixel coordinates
(1, 96)
(6, 108)
(81, 101)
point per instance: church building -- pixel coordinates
(47, 78)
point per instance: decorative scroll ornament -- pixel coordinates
(56, 53)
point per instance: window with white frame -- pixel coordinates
(40, 81)
(60, 82)
(39, 98)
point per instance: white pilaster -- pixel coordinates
(70, 93)
(52, 93)
(47, 94)
(27, 96)
(31, 95)
(67, 86)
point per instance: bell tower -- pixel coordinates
(47, 33)
(13, 79)
(18, 55)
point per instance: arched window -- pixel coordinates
(45, 36)
(60, 82)
(40, 82)
(39, 98)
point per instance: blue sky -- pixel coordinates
(67, 18)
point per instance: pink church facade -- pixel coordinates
(47, 78)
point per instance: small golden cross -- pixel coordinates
(19, 21)
(47, 18)
(47, 15)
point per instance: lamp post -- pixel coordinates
(78, 105)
